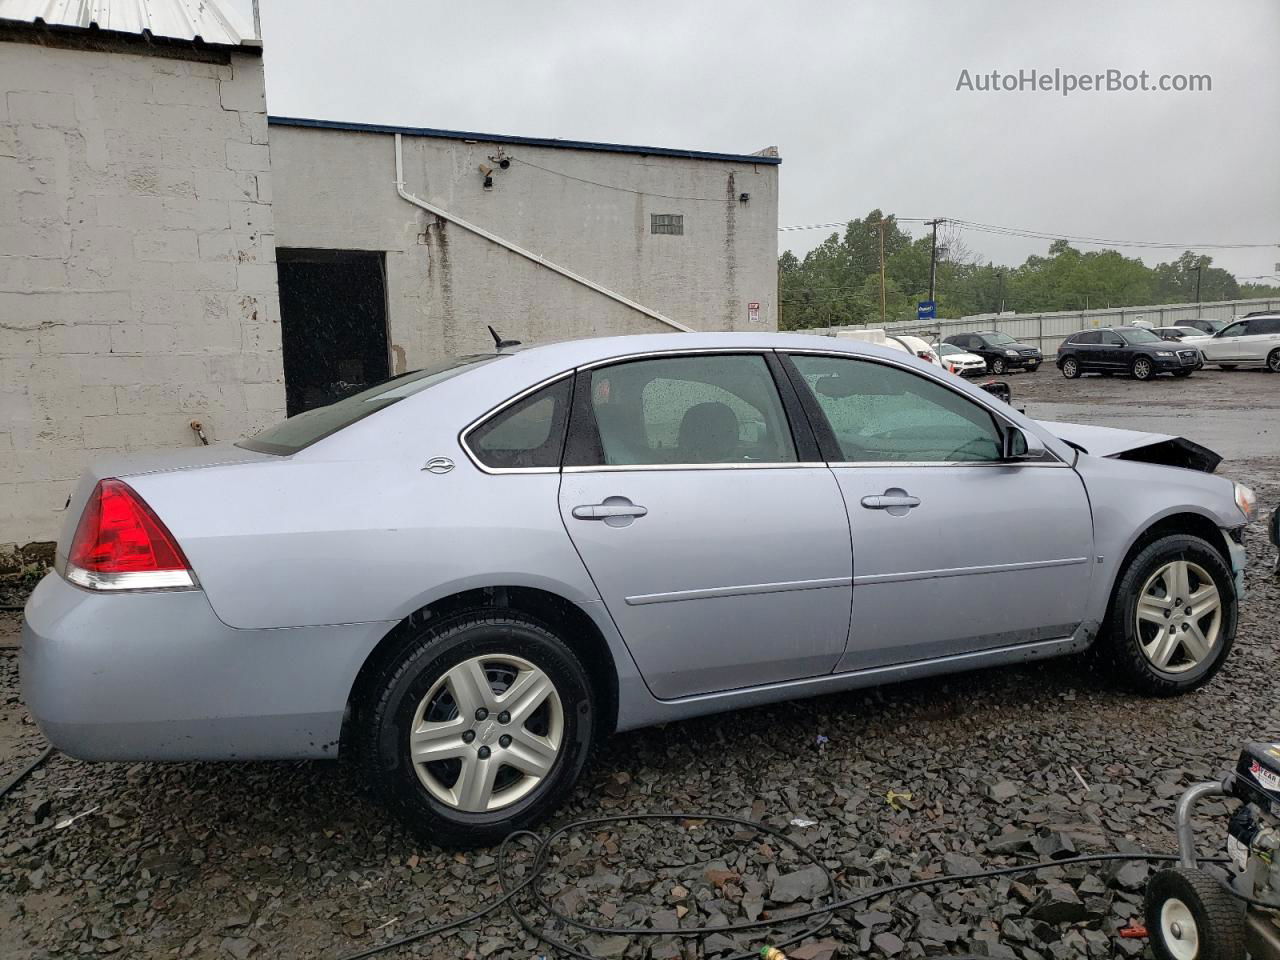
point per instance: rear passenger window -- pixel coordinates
(1091, 337)
(674, 411)
(1264, 326)
(527, 434)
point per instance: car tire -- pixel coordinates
(1226, 366)
(1273, 360)
(1143, 369)
(1071, 368)
(997, 366)
(1141, 642)
(1188, 914)
(430, 683)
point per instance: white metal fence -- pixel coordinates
(1047, 330)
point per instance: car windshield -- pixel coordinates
(299, 432)
(1137, 335)
(1000, 338)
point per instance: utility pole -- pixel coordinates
(1199, 267)
(882, 306)
(933, 254)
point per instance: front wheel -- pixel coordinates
(1143, 369)
(1173, 616)
(477, 727)
(1273, 360)
(998, 366)
(1071, 368)
(1190, 917)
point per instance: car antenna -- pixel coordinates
(499, 342)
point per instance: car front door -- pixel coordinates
(1229, 345)
(1113, 354)
(716, 535)
(955, 550)
(1088, 349)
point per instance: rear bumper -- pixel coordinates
(157, 676)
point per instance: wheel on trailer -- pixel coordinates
(1190, 917)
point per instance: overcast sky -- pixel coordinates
(860, 99)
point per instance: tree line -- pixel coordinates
(838, 282)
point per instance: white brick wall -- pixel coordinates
(137, 264)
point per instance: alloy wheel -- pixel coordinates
(1178, 930)
(1179, 617)
(1273, 361)
(487, 733)
(997, 366)
(1142, 368)
(1069, 369)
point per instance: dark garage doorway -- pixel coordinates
(333, 319)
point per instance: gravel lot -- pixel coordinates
(290, 860)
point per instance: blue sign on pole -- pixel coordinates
(926, 309)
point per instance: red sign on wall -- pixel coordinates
(753, 312)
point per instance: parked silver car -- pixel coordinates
(468, 575)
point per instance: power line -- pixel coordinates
(614, 186)
(1000, 230)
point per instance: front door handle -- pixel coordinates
(895, 501)
(614, 511)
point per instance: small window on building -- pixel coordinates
(667, 223)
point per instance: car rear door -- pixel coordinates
(715, 534)
(1088, 350)
(954, 550)
(1263, 337)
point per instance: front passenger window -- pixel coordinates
(881, 413)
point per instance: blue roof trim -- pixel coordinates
(526, 141)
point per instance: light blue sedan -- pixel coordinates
(469, 574)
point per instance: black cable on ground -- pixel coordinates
(820, 916)
(26, 771)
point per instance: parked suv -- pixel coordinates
(1001, 351)
(1253, 341)
(1134, 350)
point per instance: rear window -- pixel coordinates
(298, 433)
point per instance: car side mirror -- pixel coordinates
(1020, 447)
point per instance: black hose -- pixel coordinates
(22, 774)
(820, 916)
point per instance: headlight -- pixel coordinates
(1164, 353)
(1247, 501)
(1011, 353)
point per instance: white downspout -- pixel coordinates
(521, 251)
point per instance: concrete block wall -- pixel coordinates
(586, 210)
(137, 264)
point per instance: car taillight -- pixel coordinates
(120, 544)
(924, 355)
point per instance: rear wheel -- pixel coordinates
(1273, 360)
(479, 726)
(1173, 616)
(1143, 369)
(1071, 368)
(1190, 917)
(998, 366)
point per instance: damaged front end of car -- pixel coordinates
(1157, 448)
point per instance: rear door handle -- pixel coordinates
(614, 511)
(897, 502)
(603, 511)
